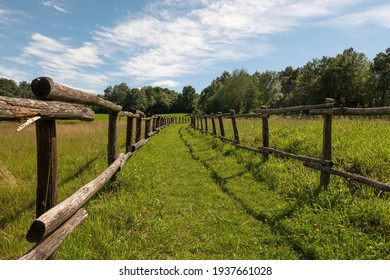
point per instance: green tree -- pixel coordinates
(188, 99)
(24, 90)
(381, 71)
(8, 87)
(346, 78)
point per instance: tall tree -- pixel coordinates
(189, 99)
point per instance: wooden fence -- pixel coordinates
(323, 164)
(54, 222)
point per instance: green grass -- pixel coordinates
(186, 195)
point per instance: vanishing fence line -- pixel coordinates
(323, 164)
(54, 222)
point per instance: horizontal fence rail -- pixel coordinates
(54, 222)
(323, 164)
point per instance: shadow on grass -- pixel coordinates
(8, 219)
(79, 172)
(274, 221)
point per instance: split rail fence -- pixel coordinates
(54, 222)
(323, 164)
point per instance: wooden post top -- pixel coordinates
(46, 88)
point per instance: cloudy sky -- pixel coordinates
(173, 43)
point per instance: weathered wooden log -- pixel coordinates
(46, 248)
(125, 159)
(293, 109)
(153, 133)
(128, 114)
(20, 108)
(44, 87)
(223, 138)
(249, 148)
(138, 112)
(139, 144)
(57, 215)
(355, 177)
(294, 156)
(250, 115)
(353, 111)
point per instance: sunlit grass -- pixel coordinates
(186, 195)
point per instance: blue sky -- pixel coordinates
(90, 45)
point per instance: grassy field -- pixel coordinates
(186, 195)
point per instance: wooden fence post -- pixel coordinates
(129, 133)
(213, 124)
(327, 145)
(47, 166)
(201, 124)
(206, 125)
(112, 147)
(147, 128)
(234, 124)
(221, 127)
(138, 123)
(265, 132)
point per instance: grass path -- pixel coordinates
(179, 199)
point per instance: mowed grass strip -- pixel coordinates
(169, 204)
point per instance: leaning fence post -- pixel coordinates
(234, 124)
(265, 132)
(221, 127)
(112, 147)
(213, 124)
(327, 145)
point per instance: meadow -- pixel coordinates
(187, 195)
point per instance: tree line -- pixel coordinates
(350, 78)
(10, 88)
(153, 100)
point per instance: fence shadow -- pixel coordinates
(80, 171)
(272, 221)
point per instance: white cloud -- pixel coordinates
(68, 63)
(14, 74)
(379, 16)
(10, 17)
(56, 5)
(176, 37)
(172, 38)
(165, 83)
